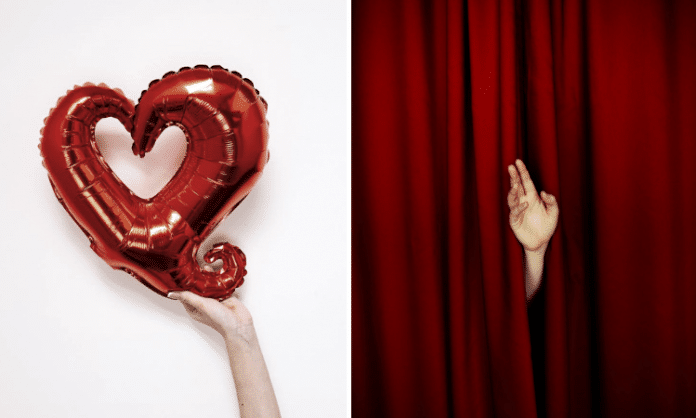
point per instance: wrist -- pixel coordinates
(538, 251)
(533, 267)
(242, 337)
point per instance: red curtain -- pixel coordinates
(599, 99)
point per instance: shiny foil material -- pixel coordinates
(156, 239)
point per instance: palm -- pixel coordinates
(229, 317)
(533, 219)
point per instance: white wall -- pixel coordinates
(78, 339)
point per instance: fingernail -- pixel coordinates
(172, 295)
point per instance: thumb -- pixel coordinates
(551, 205)
(548, 199)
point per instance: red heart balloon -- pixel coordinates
(156, 239)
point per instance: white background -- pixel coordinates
(78, 339)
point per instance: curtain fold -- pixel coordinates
(599, 99)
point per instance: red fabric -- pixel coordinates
(599, 99)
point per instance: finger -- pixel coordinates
(514, 178)
(526, 178)
(188, 298)
(551, 204)
(232, 301)
(549, 199)
(208, 268)
(194, 312)
(185, 301)
(513, 198)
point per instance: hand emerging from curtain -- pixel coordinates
(533, 219)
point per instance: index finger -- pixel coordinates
(526, 179)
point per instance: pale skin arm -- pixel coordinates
(533, 219)
(233, 321)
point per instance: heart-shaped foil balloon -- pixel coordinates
(156, 240)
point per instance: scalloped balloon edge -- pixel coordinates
(199, 67)
(152, 83)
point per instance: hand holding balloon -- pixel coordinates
(232, 320)
(229, 317)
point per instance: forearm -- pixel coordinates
(533, 268)
(254, 389)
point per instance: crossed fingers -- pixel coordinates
(523, 180)
(522, 191)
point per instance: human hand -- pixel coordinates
(533, 219)
(230, 317)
